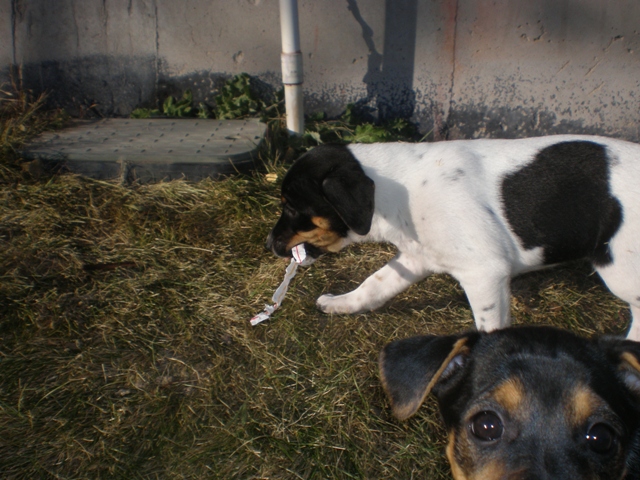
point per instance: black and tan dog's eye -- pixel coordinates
(601, 438)
(486, 426)
(289, 210)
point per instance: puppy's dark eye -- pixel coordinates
(486, 426)
(289, 210)
(601, 438)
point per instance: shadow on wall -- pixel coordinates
(565, 26)
(94, 85)
(389, 77)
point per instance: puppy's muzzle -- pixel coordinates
(276, 245)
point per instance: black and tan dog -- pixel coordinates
(528, 403)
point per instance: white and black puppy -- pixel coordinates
(481, 210)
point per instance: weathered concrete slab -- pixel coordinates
(151, 150)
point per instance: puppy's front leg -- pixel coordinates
(397, 275)
(490, 298)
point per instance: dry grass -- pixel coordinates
(126, 349)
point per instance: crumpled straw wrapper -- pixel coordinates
(299, 258)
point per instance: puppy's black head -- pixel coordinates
(325, 194)
(525, 403)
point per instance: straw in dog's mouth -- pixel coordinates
(300, 257)
(310, 252)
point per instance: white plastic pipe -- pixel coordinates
(291, 66)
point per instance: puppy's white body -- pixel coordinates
(441, 205)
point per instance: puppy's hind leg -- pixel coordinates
(396, 276)
(490, 300)
(622, 277)
(634, 329)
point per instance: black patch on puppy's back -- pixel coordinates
(561, 201)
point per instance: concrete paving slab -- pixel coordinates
(151, 150)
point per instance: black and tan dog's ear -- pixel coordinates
(410, 368)
(351, 193)
(625, 354)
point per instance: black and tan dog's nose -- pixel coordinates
(277, 245)
(269, 244)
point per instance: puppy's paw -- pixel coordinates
(336, 304)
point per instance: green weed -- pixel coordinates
(174, 108)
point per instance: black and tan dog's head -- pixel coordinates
(528, 403)
(325, 194)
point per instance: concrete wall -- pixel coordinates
(460, 68)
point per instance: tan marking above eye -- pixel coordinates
(321, 222)
(510, 394)
(582, 403)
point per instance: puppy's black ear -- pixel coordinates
(626, 355)
(410, 368)
(351, 193)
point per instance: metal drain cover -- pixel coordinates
(151, 150)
